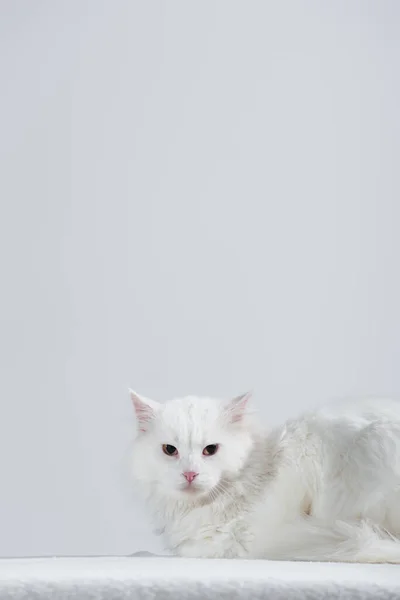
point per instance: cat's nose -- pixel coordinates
(189, 476)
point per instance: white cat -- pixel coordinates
(323, 487)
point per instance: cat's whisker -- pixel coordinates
(221, 493)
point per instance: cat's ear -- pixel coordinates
(145, 410)
(237, 408)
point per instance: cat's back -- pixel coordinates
(359, 412)
(359, 458)
(344, 436)
(345, 425)
(337, 424)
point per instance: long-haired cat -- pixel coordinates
(323, 487)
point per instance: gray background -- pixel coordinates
(196, 197)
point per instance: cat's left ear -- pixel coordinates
(236, 408)
(145, 410)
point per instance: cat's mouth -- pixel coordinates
(192, 489)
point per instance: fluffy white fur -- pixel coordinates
(323, 487)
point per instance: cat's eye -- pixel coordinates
(169, 450)
(210, 449)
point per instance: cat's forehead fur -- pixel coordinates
(191, 419)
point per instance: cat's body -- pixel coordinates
(325, 486)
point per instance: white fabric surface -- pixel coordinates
(167, 578)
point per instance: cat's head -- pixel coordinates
(188, 447)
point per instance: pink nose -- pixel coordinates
(189, 475)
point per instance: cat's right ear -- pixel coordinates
(145, 410)
(237, 408)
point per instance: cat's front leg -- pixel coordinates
(210, 544)
(230, 540)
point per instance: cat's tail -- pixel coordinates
(341, 541)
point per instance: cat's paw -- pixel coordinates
(231, 540)
(204, 549)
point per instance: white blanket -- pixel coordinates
(166, 578)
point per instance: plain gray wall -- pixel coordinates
(196, 197)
